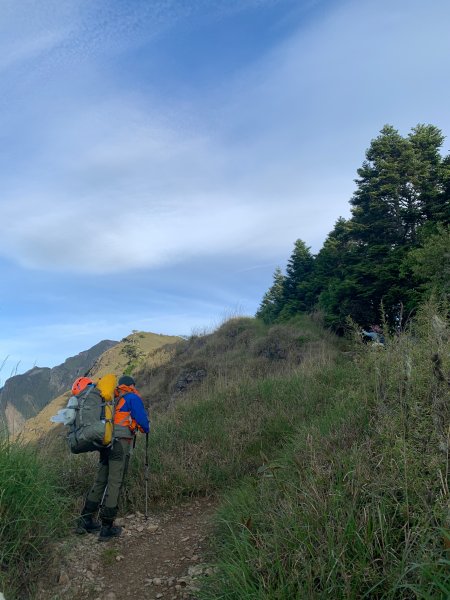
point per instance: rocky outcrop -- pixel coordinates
(188, 377)
(15, 421)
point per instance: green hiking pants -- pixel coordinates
(111, 472)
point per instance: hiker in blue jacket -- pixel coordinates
(130, 417)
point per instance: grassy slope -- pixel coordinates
(213, 431)
(337, 464)
(356, 503)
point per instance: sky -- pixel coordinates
(159, 159)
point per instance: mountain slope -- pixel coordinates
(124, 357)
(23, 396)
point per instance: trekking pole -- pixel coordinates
(146, 476)
(102, 500)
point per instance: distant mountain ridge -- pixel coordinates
(23, 396)
(130, 354)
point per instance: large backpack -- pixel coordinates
(92, 428)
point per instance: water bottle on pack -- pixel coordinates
(66, 415)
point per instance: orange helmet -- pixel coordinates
(79, 385)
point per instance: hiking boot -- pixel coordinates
(86, 524)
(108, 531)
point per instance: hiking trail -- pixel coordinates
(158, 558)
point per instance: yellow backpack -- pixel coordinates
(93, 426)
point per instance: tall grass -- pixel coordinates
(337, 464)
(356, 504)
(205, 444)
(33, 513)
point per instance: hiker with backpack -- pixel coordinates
(129, 417)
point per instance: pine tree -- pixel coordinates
(399, 190)
(298, 271)
(390, 252)
(430, 173)
(332, 284)
(431, 263)
(272, 302)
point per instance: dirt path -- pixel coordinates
(155, 559)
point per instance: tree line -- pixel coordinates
(391, 253)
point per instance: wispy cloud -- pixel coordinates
(123, 181)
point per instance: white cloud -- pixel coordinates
(126, 192)
(267, 158)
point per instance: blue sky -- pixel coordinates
(159, 159)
